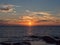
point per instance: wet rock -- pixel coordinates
(34, 38)
(26, 43)
(48, 39)
(5, 43)
(56, 37)
(57, 42)
(16, 43)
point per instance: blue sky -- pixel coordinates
(35, 5)
(14, 9)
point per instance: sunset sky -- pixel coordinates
(37, 12)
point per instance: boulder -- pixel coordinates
(57, 42)
(49, 39)
(5, 43)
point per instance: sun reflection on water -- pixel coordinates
(29, 31)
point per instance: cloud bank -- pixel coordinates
(39, 17)
(6, 8)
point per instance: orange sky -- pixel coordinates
(32, 19)
(31, 23)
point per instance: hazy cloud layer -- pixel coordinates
(42, 18)
(39, 17)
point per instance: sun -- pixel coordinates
(30, 23)
(27, 23)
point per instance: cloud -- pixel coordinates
(18, 6)
(8, 22)
(27, 10)
(3, 21)
(42, 18)
(39, 17)
(6, 8)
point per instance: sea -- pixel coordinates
(20, 33)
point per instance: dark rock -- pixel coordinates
(56, 37)
(34, 38)
(26, 43)
(17, 44)
(49, 39)
(5, 43)
(57, 42)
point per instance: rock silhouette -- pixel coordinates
(26, 43)
(18, 43)
(5, 43)
(33, 38)
(57, 42)
(47, 39)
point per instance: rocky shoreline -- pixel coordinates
(27, 40)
